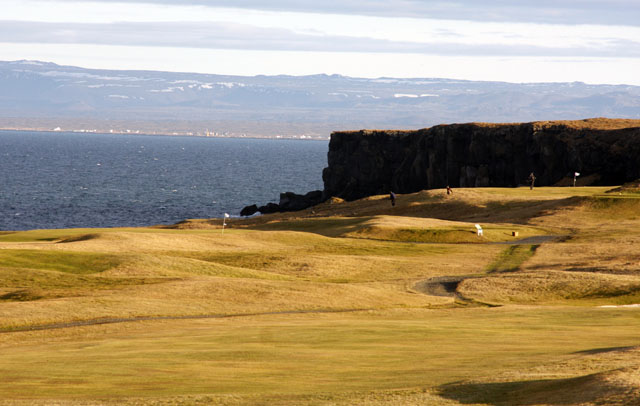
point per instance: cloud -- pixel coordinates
(515, 39)
(227, 35)
(610, 12)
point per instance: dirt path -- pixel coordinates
(535, 240)
(114, 320)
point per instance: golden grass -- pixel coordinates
(479, 205)
(554, 287)
(600, 123)
(70, 262)
(319, 306)
(297, 355)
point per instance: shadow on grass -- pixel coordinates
(67, 262)
(588, 389)
(516, 212)
(605, 350)
(76, 238)
(328, 227)
(440, 286)
(22, 295)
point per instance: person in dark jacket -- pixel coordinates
(532, 180)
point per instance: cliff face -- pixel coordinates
(369, 162)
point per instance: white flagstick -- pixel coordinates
(575, 175)
(224, 221)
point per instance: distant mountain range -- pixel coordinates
(37, 94)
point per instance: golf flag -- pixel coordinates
(576, 174)
(224, 221)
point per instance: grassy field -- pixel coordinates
(344, 303)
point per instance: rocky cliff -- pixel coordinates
(369, 162)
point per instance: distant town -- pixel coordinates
(169, 128)
(50, 97)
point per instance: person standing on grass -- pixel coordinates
(449, 191)
(392, 196)
(531, 179)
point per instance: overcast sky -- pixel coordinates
(504, 40)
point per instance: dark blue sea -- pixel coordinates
(64, 180)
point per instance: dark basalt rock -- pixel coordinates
(249, 210)
(372, 162)
(269, 208)
(364, 163)
(290, 201)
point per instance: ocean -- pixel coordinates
(69, 180)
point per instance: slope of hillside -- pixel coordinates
(77, 98)
(343, 303)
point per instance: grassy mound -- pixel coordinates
(554, 287)
(559, 385)
(80, 263)
(343, 303)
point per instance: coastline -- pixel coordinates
(162, 134)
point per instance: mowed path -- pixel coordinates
(447, 285)
(534, 240)
(115, 320)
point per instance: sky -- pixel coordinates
(500, 40)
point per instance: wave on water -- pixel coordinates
(65, 180)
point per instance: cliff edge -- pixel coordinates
(369, 162)
(372, 162)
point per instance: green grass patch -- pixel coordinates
(306, 354)
(60, 261)
(512, 258)
(42, 235)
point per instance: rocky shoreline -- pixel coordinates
(289, 201)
